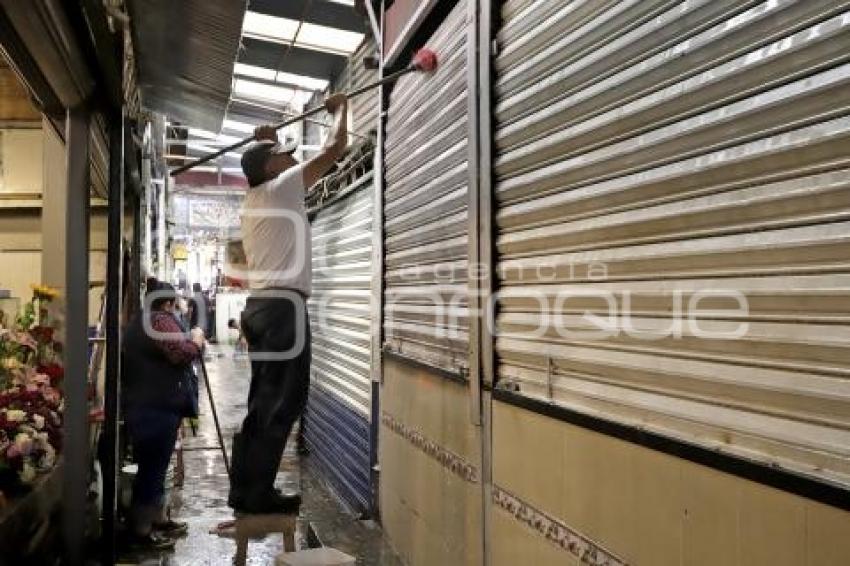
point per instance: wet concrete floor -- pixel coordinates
(202, 499)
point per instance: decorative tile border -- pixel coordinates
(555, 531)
(449, 460)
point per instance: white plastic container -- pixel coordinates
(324, 556)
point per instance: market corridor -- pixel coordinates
(202, 501)
(576, 278)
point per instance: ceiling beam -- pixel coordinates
(298, 61)
(320, 12)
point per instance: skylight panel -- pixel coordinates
(200, 147)
(272, 93)
(237, 126)
(302, 98)
(308, 83)
(207, 135)
(313, 36)
(310, 36)
(254, 71)
(271, 27)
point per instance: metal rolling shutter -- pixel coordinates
(687, 147)
(338, 412)
(99, 156)
(363, 109)
(425, 210)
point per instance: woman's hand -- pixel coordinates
(198, 337)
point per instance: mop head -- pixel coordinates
(425, 60)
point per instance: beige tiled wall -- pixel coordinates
(647, 507)
(430, 515)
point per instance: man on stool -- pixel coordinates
(276, 238)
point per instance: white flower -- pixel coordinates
(23, 442)
(27, 474)
(10, 363)
(15, 415)
(48, 460)
(38, 422)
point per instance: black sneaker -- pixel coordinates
(151, 541)
(172, 529)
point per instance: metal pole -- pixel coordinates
(160, 230)
(214, 414)
(488, 12)
(487, 230)
(377, 28)
(300, 117)
(147, 192)
(135, 285)
(473, 283)
(76, 445)
(114, 285)
(377, 299)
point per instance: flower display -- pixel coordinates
(44, 292)
(31, 403)
(53, 371)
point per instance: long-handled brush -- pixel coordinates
(425, 60)
(203, 367)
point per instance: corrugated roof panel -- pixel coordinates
(186, 73)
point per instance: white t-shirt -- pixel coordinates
(276, 233)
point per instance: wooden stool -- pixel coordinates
(253, 526)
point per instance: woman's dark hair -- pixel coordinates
(165, 293)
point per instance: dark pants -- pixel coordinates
(154, 434)
(278, 391)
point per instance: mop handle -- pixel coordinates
(215, 415)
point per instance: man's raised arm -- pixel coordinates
(334, 147)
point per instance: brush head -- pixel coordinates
(425, 60)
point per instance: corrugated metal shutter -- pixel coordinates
(364, 109)
(99, 156)
(425, 207)
(654, 153)
(338, 412)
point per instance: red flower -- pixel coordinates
(54, 371)
(42, 334)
